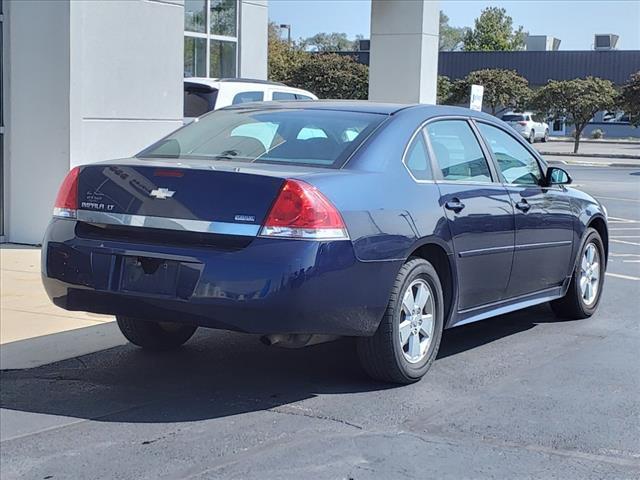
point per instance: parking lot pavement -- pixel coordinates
(519, 396)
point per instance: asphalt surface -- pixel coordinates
(517, 396)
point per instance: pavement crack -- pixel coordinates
(299, 411)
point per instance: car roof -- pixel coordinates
(214, 82)
(364, 106)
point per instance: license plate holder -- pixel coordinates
(149, 275)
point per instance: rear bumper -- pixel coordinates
(268, 286)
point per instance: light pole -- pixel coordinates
(288, 27)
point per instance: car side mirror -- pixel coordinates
(557, 176)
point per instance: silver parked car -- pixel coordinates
(526, 126)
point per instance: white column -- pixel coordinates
(85, 81)
(404, 51)
(252, 40)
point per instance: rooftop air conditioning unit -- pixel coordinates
(607, 41)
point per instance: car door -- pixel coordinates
(478, 210)
(543, 217)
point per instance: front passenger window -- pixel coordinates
(517, 164)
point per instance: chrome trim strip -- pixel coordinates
(527, 246)
(485, 251)
(165, 223)
(531, 246)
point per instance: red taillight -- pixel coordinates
(301, 211)
(522, 123)
(67, 200)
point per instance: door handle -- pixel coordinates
(455, 204)
(523, 205)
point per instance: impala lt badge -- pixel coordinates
(161, 193)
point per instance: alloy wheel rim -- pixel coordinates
(590, 274)
(417, 321)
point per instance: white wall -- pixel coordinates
(36, 95)
(254, 19)
(126, 76)
(86, 81)
(403, 65)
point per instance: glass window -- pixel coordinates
(302, 97)
(195, 15)
(268, 136)
(311, 132)
(244, 97)
(513, 118)
(417, 159)
(457, 151)
(222, 18)
(195, 60)
(265, 132)
(198, 101)
(222, 59)
(283, 96)
(515, 162)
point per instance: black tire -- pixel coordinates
(545, 139)
(572, 305)
(381, 355)
(532, 136)
(154, 335)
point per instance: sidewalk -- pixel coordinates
(33, 331)
(627, 150)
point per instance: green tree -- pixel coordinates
(328, 42)
(502, 88)
(444, 90)
(630, 98)
(494, 31)
(329, 75)
(575, 100)
(451, 38)
(282, 57)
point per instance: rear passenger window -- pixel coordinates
(302, 97)
(244, 97)
(457, 151)
(283, 96)
(417, 159)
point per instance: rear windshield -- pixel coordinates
(512, 118)
(198, 99)
(282, 136)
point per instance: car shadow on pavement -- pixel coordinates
(216, 374)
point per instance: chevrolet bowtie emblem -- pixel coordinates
(161, 193)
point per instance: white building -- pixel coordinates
(91, 80)
(85, 81)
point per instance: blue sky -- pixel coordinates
(572, 21)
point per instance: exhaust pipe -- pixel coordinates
(295, 340)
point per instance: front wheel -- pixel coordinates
(407, 340)
(154, 335)
(584, 292)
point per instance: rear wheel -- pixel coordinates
(407, 340)
(154, 335)
(532, 136)
(585, 289)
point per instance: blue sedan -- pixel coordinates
(307, 221)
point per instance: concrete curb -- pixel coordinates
(601, 142)
(625, 156)
(37, 351)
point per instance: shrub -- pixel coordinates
(597, 133)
